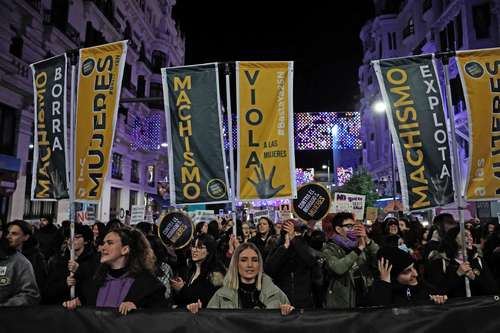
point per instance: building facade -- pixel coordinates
(33, 30)
(404, 28)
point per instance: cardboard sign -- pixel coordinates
(202, 216)
(137, 214)
(352, 203)
(371, 213)
(312, 203)
(258, 214)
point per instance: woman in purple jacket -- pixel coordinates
(125, 278)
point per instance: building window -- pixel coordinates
(8, 126)
(16, 46)
(151, 175)
(93, 36)
(391, 37)
(155, 90)
(141, 86)
(116, 166)
(482, 20)
(114, 203)
(409, 29)
(372, 136)
(460, 33)
(132, 200)
(159, 60)
(134, 173)
(427, 5)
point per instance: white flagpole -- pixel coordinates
(457, 179)
(231, 145)
(72, 167)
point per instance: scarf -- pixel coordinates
(345, 243)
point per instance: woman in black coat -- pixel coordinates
(446, 269)
(203, 275)
(125, 278)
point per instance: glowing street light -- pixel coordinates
(379, 107)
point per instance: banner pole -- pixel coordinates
(72, 165)
(231, 144)
(457, 179)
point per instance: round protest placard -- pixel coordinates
(312, 203)
(176, 229)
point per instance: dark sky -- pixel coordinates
(323, 40)
(322, 37)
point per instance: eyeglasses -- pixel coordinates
(198, 247)
(348, 226)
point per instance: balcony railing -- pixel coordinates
(65, 27)
(36, 4)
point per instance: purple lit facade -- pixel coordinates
(403, 28)
(37, 29)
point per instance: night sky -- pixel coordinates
(322, 38)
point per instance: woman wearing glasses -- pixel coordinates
(203, 275)
(348, 253)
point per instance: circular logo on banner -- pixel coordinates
(474, 69)
(312, 203)
(176, 229)
(88, 66)
(216, 188)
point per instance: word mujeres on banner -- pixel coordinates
(266, 162)
(50, 151)
(480, 74)
(197, 168)
(411, 91)
(99, 86)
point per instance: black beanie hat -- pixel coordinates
(399, 259)
(81, 229)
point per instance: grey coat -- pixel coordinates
(17, 281)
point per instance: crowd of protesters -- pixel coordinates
(337, 263)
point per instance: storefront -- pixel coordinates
(9, 168)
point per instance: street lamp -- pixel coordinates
(324, 166)
(379, 107)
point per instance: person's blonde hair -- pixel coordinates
(232, 278)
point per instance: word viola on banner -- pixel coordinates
(410, 87)
(266, 162)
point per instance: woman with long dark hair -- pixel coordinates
(265, 229)
(203, 275)
(448, 267)
(125, 278)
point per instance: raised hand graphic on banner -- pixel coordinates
(263, 185)
(438, 190)
(60, 191)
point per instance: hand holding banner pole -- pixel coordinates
(231, 145)
(457, 179)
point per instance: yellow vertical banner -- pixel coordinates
(100, 72)
(266, 158)
(480, 75)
